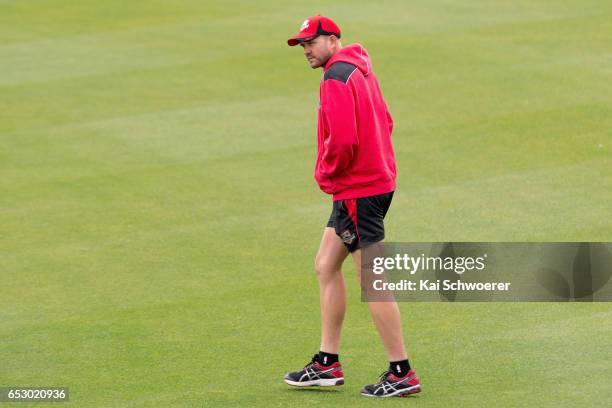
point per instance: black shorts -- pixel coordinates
(359, 221)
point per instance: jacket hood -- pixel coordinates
(353, 54)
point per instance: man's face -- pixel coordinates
(317, 51)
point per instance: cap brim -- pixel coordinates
(298, 38)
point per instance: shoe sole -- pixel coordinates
(326, 382)
(399, 393)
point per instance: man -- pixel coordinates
(355, 163)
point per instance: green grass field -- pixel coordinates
(159, 217)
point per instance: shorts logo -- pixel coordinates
(347, 237)
(305, 25)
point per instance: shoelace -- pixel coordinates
(314, 360)
(383, 377)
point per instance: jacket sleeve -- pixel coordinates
(338, 107)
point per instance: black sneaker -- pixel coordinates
(392, 386)
(314, 374)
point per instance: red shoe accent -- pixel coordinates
(337, 373)
(413, 381)
(322, 367)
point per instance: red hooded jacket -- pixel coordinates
(354, 153)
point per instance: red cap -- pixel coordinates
(313, 27)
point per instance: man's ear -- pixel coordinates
(335, 41)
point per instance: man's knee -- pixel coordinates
(325, 267)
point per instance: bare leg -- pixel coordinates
(328, 265)
(386, 316)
